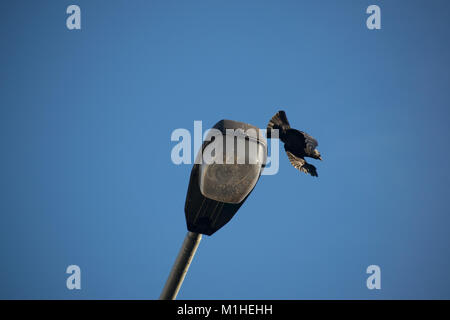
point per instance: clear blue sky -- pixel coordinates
(86, 176)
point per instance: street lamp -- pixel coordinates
(225, 172)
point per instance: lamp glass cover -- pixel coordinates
(231, 173)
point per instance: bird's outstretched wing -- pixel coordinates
(279, 121)
(310, 143)
(301, 164)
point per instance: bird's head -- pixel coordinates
(317, 154)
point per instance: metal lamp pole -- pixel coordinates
(181, 266)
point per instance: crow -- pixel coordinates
(297, 144)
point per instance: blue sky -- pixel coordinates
(86, 175)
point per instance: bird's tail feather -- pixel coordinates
(279, 121)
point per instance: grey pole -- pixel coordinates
(181, 266)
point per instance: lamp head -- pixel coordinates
(227, 169)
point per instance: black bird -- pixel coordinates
(297, 144)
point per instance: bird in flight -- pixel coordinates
(297, 144)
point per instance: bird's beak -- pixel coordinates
(320, 158)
